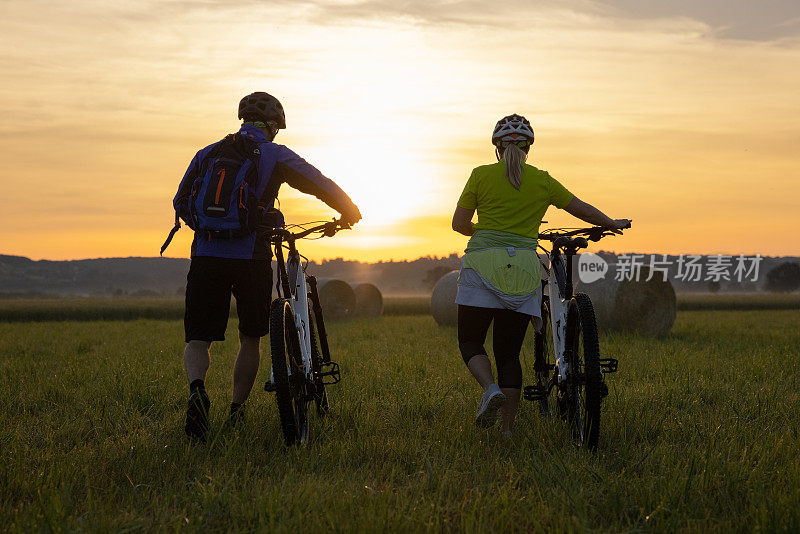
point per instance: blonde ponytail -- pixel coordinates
(514, 157)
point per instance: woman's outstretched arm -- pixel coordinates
(462, 221)
(590, 214)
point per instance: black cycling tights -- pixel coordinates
(508, 333)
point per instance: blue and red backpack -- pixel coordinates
(222, 201)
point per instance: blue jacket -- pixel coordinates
(278, 164)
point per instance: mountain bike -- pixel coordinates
(566, 349)
(301, 359)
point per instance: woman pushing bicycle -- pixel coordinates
(500, 281)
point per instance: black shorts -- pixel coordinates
(209, 285)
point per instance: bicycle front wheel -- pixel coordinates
(581, 392)
(320, 393)
(288, 372)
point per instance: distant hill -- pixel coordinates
(93, 277)
(20, 276)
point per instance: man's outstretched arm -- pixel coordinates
(306, 178)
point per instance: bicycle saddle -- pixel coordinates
(571, 242)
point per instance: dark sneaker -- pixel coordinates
(197, 415)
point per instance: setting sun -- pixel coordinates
(667, 121)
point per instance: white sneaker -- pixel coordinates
(491, 401)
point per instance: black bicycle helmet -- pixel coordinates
(260, 106)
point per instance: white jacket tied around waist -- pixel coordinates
(503, 278)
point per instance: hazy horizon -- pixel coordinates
(682, 117)
(325, 259)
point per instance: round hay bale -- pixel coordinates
(443, 300)
(369, 301)
(337, 298)
(644, 307)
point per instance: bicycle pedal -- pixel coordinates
(270, 387)
(331, 371)
(609, 365)
(534, 393)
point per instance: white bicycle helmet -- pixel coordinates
(512, 129)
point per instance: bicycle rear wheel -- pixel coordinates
(581, 392)
(288, 373)
(544, 363)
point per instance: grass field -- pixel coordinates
(129, 308)
(700, 432)
(739, 301)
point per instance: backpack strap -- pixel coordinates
(251, 150)
(213, 153)
(171, 234)
(202, 168)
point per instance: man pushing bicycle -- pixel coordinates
(226, 195)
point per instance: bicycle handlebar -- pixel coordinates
(327, 229)
(594, 233)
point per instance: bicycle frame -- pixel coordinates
(293, 287)
(559, 287)
(298, 287)
(580, 390)
(295, 326)
(559, 293)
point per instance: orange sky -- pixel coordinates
(684, 118)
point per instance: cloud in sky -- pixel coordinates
(764, 20)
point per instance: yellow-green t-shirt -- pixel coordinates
(501, 207)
